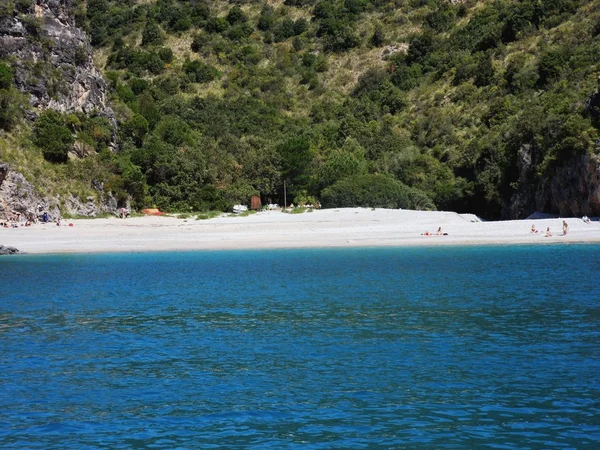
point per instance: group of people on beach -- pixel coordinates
(16, 219)
(16, 223)
(439, 232)
(548, 233)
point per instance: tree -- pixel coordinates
(148, 109)
(6, 76)
(378, 37)
(343, 163)
(152, 34)
(484, 74)
(338, 35)
(296, 155)
(12, 108)
(236, 15)
(52, 136)
(198, 72)
(173, 130)
(136, 128)
(550, 66)
(284, 30)
(266, 20)
(12, 102)
(375, 191)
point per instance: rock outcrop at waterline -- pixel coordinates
(9, 250)
(53, 58)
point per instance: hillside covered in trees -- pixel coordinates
(489, 107)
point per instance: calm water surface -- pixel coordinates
(483, 347)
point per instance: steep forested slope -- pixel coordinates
(489, 107)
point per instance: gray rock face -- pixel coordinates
(53, 59)
(575, 189)
(17, 195)
(53, 63)
(8, 250)
(572, 191)
(3, 172)
(90, 207)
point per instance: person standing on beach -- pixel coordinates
(565, 227)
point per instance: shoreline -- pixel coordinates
(331, 228)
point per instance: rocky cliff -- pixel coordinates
(19, 196)
(572, 190)
(52, 58)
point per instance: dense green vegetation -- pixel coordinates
(219, 101)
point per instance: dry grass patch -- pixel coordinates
(100, 57)
(181, 46)
(345, 69)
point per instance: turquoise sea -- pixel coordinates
(378, 348)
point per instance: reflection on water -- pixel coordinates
(366, 348)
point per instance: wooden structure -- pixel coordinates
(255, 203)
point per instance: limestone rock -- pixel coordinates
(53, 60)
(8, 250)
(19, 196)
(390, 50)
(90, 207)
(4, 168)
(575, 189)
(572, 191)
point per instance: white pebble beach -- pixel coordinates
(343, 227)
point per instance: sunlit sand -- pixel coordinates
(344, 227)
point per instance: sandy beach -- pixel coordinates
(344, 227)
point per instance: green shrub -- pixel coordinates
(152, 34)
(284, 30)
(266, 20)
(300, 26)
(378, 37)
(355, 6)
(236, 15)
(6, 76)
(6, 9)
(136, 129)
(199, 41)
(138, 85)
(239, 32)
(377, 191)
(165, 54)
(217, 25)
(199, 72)
(551, 65)
(338, 35)
(52, 136)
(13, 105)
(442, 17)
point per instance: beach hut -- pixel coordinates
(255, 203)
